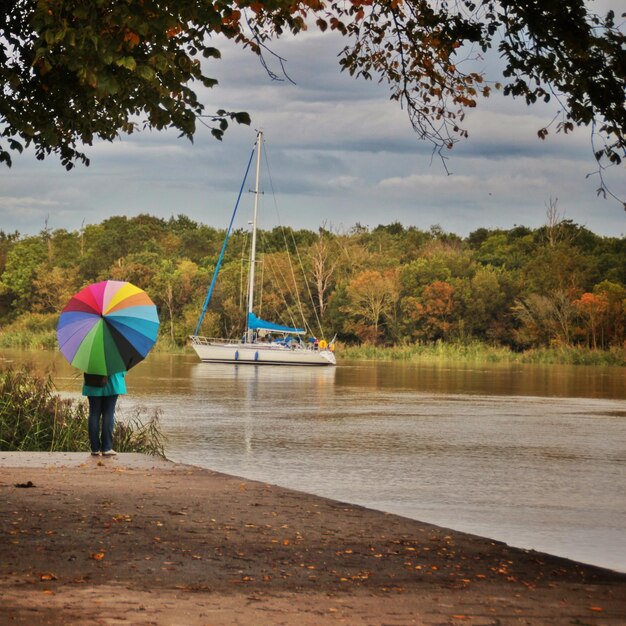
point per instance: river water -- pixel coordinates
(531, 455)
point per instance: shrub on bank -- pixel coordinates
(36, 419)
(32, 331)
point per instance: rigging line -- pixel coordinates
(221, 257)
(278, 315)
(280, 279)
(262, 280)
(275, 272)
(297, 252)
(272, 304)
(308, 287)
(292, 287)
(287, 310)
(243, 297)
(306, 283)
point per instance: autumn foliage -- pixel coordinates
(391, 285)
(73, 72)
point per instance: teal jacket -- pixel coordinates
(116, 385)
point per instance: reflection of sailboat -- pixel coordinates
(263, 343)
(239, 401)
(297, 380)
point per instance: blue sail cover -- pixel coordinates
(255, 323)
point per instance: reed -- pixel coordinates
(438, 351)
(34, 418)
(477, 352)
(165, 345)
(134, 435)
(575, 355)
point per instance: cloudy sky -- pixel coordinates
(340, 153)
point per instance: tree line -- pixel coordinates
(557, 285)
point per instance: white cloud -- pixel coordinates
(20, 203)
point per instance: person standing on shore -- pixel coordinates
(102, 393)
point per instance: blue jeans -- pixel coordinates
(101, 406)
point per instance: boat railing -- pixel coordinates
(205, 341)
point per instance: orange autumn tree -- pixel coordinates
(604, 313)
(437, 309)
(372, 298)
(614, 326)
(592, 308)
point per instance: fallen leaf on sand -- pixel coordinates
(96, 556)
(47, 576)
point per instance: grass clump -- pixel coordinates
(34, 418)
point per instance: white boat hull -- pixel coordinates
(260, 354)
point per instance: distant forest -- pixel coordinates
(558, 285)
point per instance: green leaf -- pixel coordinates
(242, 118)
(128, 62)
(145, 72)
(209, 82)
(211, 53)
(15, 145)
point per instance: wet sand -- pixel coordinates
(138, 540)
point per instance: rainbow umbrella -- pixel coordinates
(107, 327)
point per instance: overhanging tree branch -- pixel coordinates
(73, 71)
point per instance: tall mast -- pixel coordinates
(259, 145)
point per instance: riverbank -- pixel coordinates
(139, 540)
(470, 352)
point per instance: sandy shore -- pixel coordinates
(136, 540)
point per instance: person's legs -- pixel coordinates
(93, 422)
(108, 422)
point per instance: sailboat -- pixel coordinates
(263, 342)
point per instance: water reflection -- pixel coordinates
(493, 379)
(252, 392)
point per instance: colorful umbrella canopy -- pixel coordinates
(107, 327)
